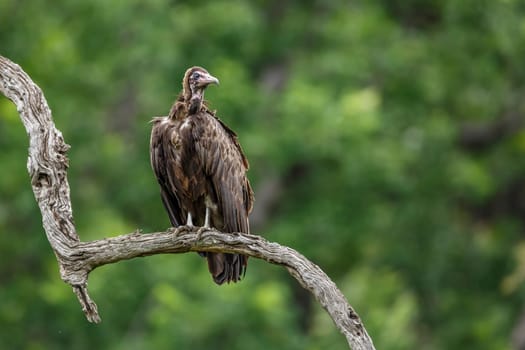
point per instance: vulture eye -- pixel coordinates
(196, 76)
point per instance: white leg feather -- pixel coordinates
(207, 218)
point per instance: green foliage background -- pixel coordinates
(386, 142)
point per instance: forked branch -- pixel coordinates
(47, 166)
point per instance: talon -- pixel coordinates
(200, 231)
(177, 231)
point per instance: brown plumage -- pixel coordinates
(201, 170)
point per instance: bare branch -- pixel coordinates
(47, 166)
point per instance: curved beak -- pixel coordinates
(207, 79)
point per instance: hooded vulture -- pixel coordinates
(201, 170)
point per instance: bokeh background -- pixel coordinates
(386, 141)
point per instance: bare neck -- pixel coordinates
(195, 102)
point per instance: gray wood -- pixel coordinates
(47, 166)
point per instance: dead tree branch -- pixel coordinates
(47, 166)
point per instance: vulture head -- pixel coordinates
(195, 81)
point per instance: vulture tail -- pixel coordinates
(226, 267)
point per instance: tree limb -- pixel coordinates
(47, 165)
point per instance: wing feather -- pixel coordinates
(225, 165)
(162, 163)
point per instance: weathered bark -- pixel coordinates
(47, 166)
